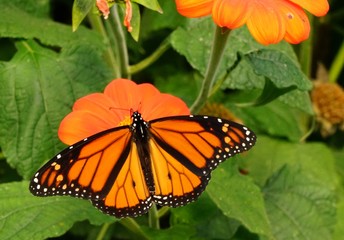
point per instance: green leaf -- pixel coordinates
(152, 22)
(23, 216)
(135, 22)
(270, 93)
(80, 10)
(171, 80)
(37, 89)
(269, 155)
(151, 4)
(16, 23)
(195, 42)
(33, 7)
(279, 68)
(177, 232)
(298, 206)
(206, 218)
(239, 198)
(275, 118)
(339, 228)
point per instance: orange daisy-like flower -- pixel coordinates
(101, 111)
(269, 21)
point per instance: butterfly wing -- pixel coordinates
(185, 149)
(104, 168)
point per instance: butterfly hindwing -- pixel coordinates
(175, 185)
(185, 149)
(129, 194)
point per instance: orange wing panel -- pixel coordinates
(129, 195)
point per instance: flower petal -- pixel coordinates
(125, 94)
(297, 23)
(266, 23)
(98, 112)
(101, 105)
(163, 106)
(231, 13)
(76, 126)
(148, 91)
(316, 7)
(194, 8)
(91, 114)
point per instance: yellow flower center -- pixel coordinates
(126, 121)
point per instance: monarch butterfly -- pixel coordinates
(124, 170)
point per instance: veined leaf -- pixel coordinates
(23, 216)
(195, 42)
(16, 23)
(151, 4)
(278, 67)
(135, 21)
(210, 223)
(239, 198)
(300, 207)
(38, 88)
(270, 93)
(80, 10)
(315, 160)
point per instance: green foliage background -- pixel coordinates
(292, 189)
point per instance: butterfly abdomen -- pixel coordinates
(141, 138)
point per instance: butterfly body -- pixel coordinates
(140, 132)
(125, 169)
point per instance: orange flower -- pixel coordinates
(101, 111)
(269, 21)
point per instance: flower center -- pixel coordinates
(126, 121)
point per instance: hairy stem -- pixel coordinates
(219, 44)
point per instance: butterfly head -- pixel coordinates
(139, 126)
(136, 116)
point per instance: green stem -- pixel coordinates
(337, 65)
(306, 51)
(164, 46)
(103, 230)
(153, 218)
(97, 24)
(113, 45)
(121, 43)
(132, 225)
(219, 44)
(163, 211)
